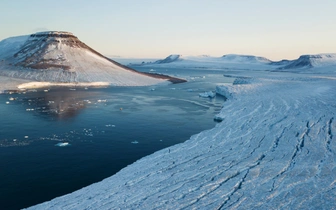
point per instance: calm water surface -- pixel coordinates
(105, 130)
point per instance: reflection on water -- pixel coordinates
(60, 105)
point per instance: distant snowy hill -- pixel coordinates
(234, 58)
(169, 59)
(309, 61)
(231, 61)
(243, 62)
(56, 56)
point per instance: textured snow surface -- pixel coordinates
(274, 149)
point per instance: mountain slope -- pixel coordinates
(169, 59)
(11, 45)
(61, 57)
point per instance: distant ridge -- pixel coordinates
(245, 58)
(169, 59)
(236, 61)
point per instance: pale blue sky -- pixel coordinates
(155, 29)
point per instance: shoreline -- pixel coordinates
(13, 85)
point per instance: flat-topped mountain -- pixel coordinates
(61, 57)
(310, 61)
(244, 58)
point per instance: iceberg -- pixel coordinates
(209, 94)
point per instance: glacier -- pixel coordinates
(273, 149)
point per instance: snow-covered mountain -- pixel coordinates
(234, 58)
(61, 57)
(310, 61)
(169, 59)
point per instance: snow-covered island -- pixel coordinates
(57, 58)
(274, 148)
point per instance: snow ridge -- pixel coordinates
(169, 59)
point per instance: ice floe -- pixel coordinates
(209, 94)
(62, 144)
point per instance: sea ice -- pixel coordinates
(101, 101)
(62, 144)
(209, 94)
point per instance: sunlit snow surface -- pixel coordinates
(274, 149)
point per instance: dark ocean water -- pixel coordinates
(105, 130)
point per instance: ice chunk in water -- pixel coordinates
(209, 94)
(62, 144)
(135, 142)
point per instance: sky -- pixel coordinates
(274, 29)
